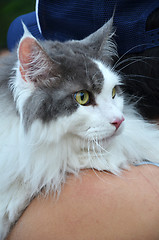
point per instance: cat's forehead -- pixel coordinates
(68, 48)
(77, 66)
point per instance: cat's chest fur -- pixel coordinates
(62, 110)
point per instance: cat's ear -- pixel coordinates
(34, 63)
(101, 43)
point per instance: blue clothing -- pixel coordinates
(74, 19)
(149, 163)
(15, 31)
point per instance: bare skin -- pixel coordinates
(106, 207)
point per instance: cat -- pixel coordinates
(61, 110)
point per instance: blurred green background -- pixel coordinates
(9, 10)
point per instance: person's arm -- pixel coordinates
(97, 206)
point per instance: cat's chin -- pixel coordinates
(99, 145)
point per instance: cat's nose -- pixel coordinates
(117, 122)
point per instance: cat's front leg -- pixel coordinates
(13, 203)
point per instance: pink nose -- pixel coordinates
(117, 122)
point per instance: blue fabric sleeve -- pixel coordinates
(65, 20)
(148, 162)
(16, 31)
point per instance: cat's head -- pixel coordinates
(69, 86)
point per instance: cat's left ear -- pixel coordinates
(101, 43)
(34, 63)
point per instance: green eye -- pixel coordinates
(114, 92)
(82, 97)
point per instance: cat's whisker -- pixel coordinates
(99, 154)
(134, 58)
(93, 147)
(100, 147)
(102, 160)
(87, 143)
(94, 151)
(97, 173)
(91, 162)
(90, 157)
(127, 52)
(135, 99)
(138, 76)
(132, 63)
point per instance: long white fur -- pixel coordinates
(86, 139)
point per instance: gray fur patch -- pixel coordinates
(70, 69)
(7, 104)
(76, 72)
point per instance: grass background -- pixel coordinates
(9, 10)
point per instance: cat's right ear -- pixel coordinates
(101, 43)
(34, 63)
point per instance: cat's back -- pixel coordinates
(7, 64)
(7, 71)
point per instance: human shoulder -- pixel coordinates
(96, 205)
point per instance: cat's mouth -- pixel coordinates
(100, 137)
(96, 141)
(99, 144)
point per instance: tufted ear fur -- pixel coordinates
(34, 63)
(101, 42)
